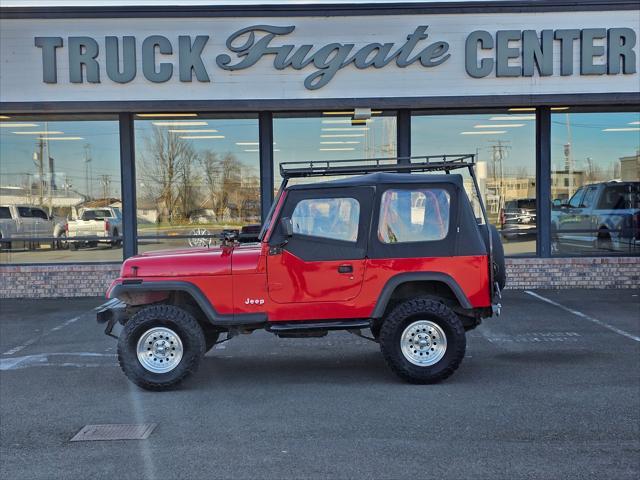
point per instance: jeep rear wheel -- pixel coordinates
(422, 341)
(160, 346)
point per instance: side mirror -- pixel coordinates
(287, 226)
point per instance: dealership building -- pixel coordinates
(143, 126)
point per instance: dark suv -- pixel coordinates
(518, 218)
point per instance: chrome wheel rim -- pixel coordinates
(199, 242)
(159, 350)
(423, 343)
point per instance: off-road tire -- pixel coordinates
(178, 320)
(422, 308)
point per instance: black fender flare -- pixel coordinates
(215, 318)
(397, 280)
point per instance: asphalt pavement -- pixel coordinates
(549, 390)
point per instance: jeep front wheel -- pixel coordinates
(160, 346)
(422, 341)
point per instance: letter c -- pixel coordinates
(149, 58)
(485, 40)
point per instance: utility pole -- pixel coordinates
(498, 154)
(38, 159)
(105, 181)
(87, 170)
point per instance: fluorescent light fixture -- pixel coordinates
(522, 109)
(17, 125)
(4, 117)
(343, 135)
(251, 150)
(484, 132)
(38, 133)
(200, 137)
(194, 130)
(345, 129)
(624, 129)
(513, 117)
(501, 125)
(242, 144)
(161, 115)
(349, 121)
(349, 112)
(339, 142)
(634, 123)
(347, 149)
(181, 123)
(555, 109)
(62, 138)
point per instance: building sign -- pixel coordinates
(355, 57)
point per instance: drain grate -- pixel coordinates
(114, 432)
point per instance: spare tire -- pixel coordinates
(499, 268)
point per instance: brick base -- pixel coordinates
(47, 281)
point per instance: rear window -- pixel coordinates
(96, 215)
(24, 212)
(620, 197)
(420, 215)
(5, 212)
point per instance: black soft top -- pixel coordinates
(383, 179)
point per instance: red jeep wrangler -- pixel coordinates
(400, 255)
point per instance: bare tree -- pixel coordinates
(223, 180)
(188, 179)
(161, 164)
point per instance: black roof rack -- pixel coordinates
(362, 166)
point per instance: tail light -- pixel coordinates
(66, 227)
(107, 227)
(502, 216)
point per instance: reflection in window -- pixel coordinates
(195, 177)
(595, 183)
(426, 219)
(52, 169)
(334, 218)
(331, 135)
(504, 145)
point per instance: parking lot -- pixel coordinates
(551, 389)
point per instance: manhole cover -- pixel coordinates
(114, 432)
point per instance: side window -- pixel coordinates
(5, 213)
(589, 197)
(575, 200)
(25, 212)
(414, 215)
(38, 213)
(334, 218)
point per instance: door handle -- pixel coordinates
(345, 269)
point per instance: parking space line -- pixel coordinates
(585, 316)
(31, 341)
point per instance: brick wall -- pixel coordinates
(41, 281)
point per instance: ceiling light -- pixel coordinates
(555, 109)
(17, 125)
(251, 150)
(343, 135)
(62, 138)
(200, 137)
(241, 144)
(345, 129)
(336, 149)
(484, 132)
(339, 142)
(181, 123)
(38, 133)
(522, 109)
(194, 130)
(350, 112)
(625, 129)
(513, 117)
(4, 117)
(501, 125)
(634, 123)
(160, 115)
(364, 120)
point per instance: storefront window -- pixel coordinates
(504, 145)
(595, 183)
(332, 135)
(60, 189)
(196, 176)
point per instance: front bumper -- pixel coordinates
(111, 312)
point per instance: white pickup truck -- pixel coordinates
(96, 225)
(29, 224)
